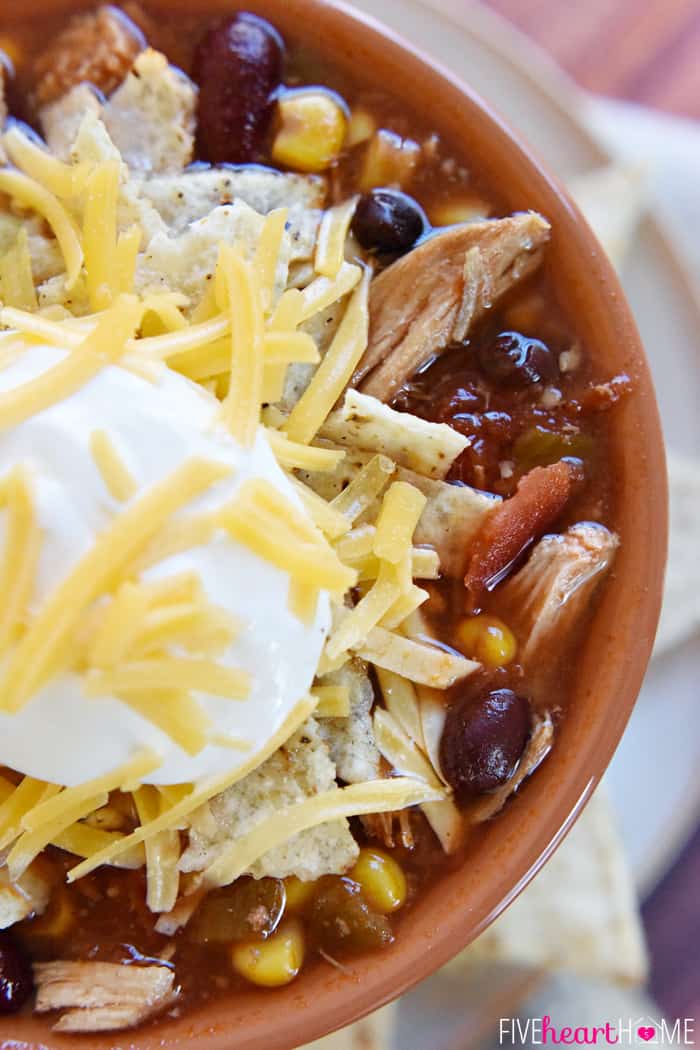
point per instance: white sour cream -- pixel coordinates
(60, 735)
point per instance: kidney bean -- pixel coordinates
(515, 360)
(238, 66)
(483, 740)
(15, 976)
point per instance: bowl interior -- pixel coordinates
(616, 650)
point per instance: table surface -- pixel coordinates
(643, 50)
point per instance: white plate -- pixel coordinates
(653, 778)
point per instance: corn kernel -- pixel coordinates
(274, 962)
(299, 894)
(361, 127)
(382, 880)
(487, 639)
(450, 213)
(389, 161)
(312, 130)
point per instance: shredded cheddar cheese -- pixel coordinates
(374, 796)
(332, 235)
(401, 509)
(293, 456)
(366, 614)
(125, 258)
(170, 673)
(63, 180)
(20, 556)
(267, 253)
(241, 408)
(162, 854)
(100, 233)
(336, 369)
(199, 794)
(333, 701)
(115, 474)
(175, 712)
(103, 345)
(323, 292)
(16, 278)
(32, 195)
(114, 549)
(47, 812)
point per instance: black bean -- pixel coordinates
(15, 976)
(388, 221)
(483, 739)
(238, 66)
(515, 360)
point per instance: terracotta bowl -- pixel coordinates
(616, 651)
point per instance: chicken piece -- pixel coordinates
(391, 829)
(432, 297)
(102, 996)
(98, 48)
(508, 531)
(551, 591)
(538, 747)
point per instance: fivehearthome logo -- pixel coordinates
(629, 1031)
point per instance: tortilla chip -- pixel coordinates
(61, 120)
(364, 422)
(451, 518)
(613, 200)
(187, 262)
(151, 116)
(191, 195)
(351, 740)
(300, 769)
(580, 913)
(680, 616)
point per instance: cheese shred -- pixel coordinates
(199, 795)
(31, 194)
(118, 479)
(374, 796)
(114, 549)
(334, 372)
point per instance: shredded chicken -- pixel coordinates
(554, 587)
(538, 747)
(511, 527)
(98, 48)
(102, 996)
(431, 297)
(391, 829)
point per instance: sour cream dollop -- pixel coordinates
(64, 737)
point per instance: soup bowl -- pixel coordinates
(616, 648)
